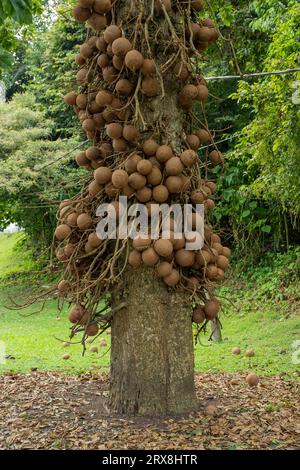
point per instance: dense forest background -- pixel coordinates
(256, 121)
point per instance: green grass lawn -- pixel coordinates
(11, 261)
(36, 341)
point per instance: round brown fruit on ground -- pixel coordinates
(66, 357)
(62, 232)
(252, 380)
(198, 315)
(236, 351)
(172, 279)
(163, 248)
(211, 309)
(249, 353)
(94, 349)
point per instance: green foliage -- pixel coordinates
(31, 185)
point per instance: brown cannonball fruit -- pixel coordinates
(134, 60)
(119, 179)
(155, 176)
(103, 61)
(70, 98)
(81, 14)
(108, 115)
(160, 193)
(135, 259)
(222, 262)
(164, 153)
(78, 314)
(212, 186)
(88, 125)
(202, 92)
(189, 92)
(197, 197)
(104, 98)
(131, 163)
(189, 157)
(185, 258)
(198, 315)
(97, 22)
(174, 166)
(124, 87)
(150, 87)
(121, 46)
(63, 287)
(218, 247)
(216, 157)
(150, 257)
(114, 130)
(101, 44)
(106, 150)
(141, 244)
(144, 167)
(203, 258)
(179, 241)
(86, 51)
(211, 272)
(130, 133)
(226, 251)
(118, 62)
(102, 175)
(81, 101)
(66, 357)
(84, 221)
(203, 136)
(174, 184)
(193, 283)
(236, 351)
(211, 309)
(92, 329)
(249, 353)
(215, 239)
(150, 147)
(81, 76)
(137, 181)
(62, 232)
(181, 71)
(110, 74)
(79, 59)
(72, 219)
(221, 275)
(209, 204)
(252, 380)
(164, 269)
(94, 349)
(172, 279)
(163, 248)
(111, 33)
(102, 6)
(148, 67)
(197, 5)
(94, 108)
(93, 240)
(127, 191)
(193, 141)
(204, 34)
(119, 145)
(82, 160)
(93, 153)
(144, 194)
(92, 41)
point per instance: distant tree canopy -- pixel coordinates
(256, 120)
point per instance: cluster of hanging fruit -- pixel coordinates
(125, 75)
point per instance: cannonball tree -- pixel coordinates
(137, 87)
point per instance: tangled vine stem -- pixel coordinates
(136, 58)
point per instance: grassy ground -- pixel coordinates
(254, 318)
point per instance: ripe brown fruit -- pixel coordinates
(62, 232)
(84, 221)
(70, 98)
(135, 259)
(104, 98)
(124, 87)
(222, 262)
(144, 167)
(198, 315)
(78, 314)
(172, 279)
(93, 240)
(193, 141)
(203, 136)
(181, 71)
(121, 46)
(164, 153)
(197, 197)
(141, 244)
(163, 248)
(174, 184)
(97, 22)
(111, 33)
(252, 380)
(63, 287)
(174, 166)
(81, 76)
(216, 157)
(211, 309)
(160, 193)
(150, 257)
(249, 353)
(81, 14)
(130, 133)
(150, 87)
(164, 269)
(185, 258)
(144, 194)
(148, 67)
(155, 176)
(103, 61)
(137, 181)
(114, 130)
(150, 147)
(131, 163)
(189, 158)
(92, 329)
(134, 60)
(236, 351)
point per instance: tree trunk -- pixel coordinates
(152, 356)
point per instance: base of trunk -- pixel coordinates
(152, 355)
